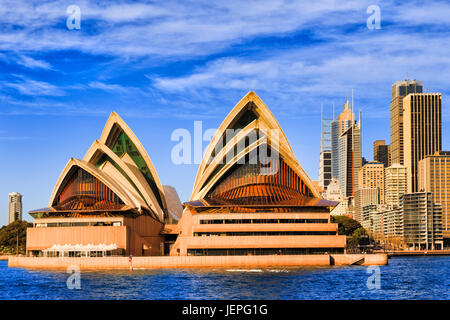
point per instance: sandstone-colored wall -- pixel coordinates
(43, 238)
(261, 215)
(144, 233)
(266, 227)
(136, 234)
(191, 261)
(265, 242)
(190, 223)
(369, 259)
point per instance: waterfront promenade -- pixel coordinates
(165, 262)
(418, 253)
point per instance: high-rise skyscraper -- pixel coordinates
(422, 221)
(325, 152)
(338, 127)
(371, 175)
(395, 184)
(380, 152)
(434, 177)
(14, 207)
(324, 168)
(372, 220)
(415, 224)
(389, 156)
(400, 89)
(365, 197)
(371, 186)
(422, 131)
(349, 160)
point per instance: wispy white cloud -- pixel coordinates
(430, 13)
(172, 28)
(32, 63)
(339, 52)
(301, 78)
(25, 61)
(187, 28)
(32, 87)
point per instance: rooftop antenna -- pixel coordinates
(360, 129)
(360, 119)
(353, 126)
(353, 115)
(352, 106)
(321, 127)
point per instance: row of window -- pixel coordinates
(262, 251)
(265, 233)
(249, 221)
(109, 253)
(80, 224)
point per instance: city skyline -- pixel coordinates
(55, 97)
(194, 165)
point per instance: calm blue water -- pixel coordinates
(403, 278)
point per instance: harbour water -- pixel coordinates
(403, 278)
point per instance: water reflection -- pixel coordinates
(403, 278)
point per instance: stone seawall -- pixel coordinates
(108, 263)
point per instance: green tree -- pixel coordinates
(351, 228)
(346, 225)
(14, 235)
(359, 232)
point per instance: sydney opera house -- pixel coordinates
(110, 202)
(250, 197)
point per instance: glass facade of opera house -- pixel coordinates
(250, 197)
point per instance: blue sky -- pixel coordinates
(163, 65)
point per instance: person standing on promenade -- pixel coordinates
(130, 260)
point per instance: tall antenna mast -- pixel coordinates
(321, 127)
(353, 114)
(360, 119)
(353, 126)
